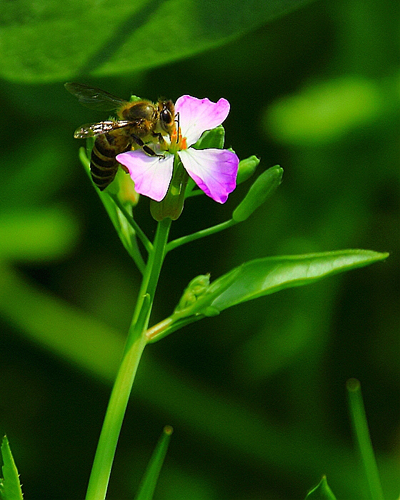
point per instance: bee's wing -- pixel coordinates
(94, 129)
(94, 98)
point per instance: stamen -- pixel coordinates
(177, 141)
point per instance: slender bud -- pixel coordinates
(247, 168)
(261, 189)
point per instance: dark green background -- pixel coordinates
(256, 395)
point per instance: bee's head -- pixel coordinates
(166, 111)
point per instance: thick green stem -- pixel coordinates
(135, 345)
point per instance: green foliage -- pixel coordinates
(122, 37)
(263, 385)
(321, 492)
(10, 488)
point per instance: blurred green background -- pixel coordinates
(256, 395)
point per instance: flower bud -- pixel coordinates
(214, 138)
(247, 168)
(172, 204)
(261, 189)
(195, 289)
(124, 187)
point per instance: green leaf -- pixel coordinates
(271, 274)
(321, 492)
(102, 39)
(149, 481)
(325, 111)
(10, 488)
(262, 277)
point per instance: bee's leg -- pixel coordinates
(159, 138)
(144, 146)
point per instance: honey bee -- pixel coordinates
(138, 123)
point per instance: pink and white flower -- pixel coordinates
(213, 170)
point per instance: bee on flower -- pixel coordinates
(213, 170)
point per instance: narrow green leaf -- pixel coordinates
(124, 223)
(94, 38)
(269, 275)
(150, 478)
(10, 488)
(360, 427)
(321, 492)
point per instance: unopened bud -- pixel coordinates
(260, 190)
(247, 168)
(124, 187)
(214, 138)
(195, 289)
(172, 205)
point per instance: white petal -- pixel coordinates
(213, 170)
(198, 115)
(151, 174)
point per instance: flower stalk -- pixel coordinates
(136, 342)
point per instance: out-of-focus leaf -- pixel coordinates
(264, 276)
(10, 488)
(321, 492)
(40, 234)
(149, 481)
(41, 42)
(325, 111)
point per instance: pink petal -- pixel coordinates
(213, 170)
(151, 174)
(198, 115)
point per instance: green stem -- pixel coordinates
(200, 234)
(135, 345)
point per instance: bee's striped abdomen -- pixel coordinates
(103, 165)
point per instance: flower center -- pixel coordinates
(177, 141)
